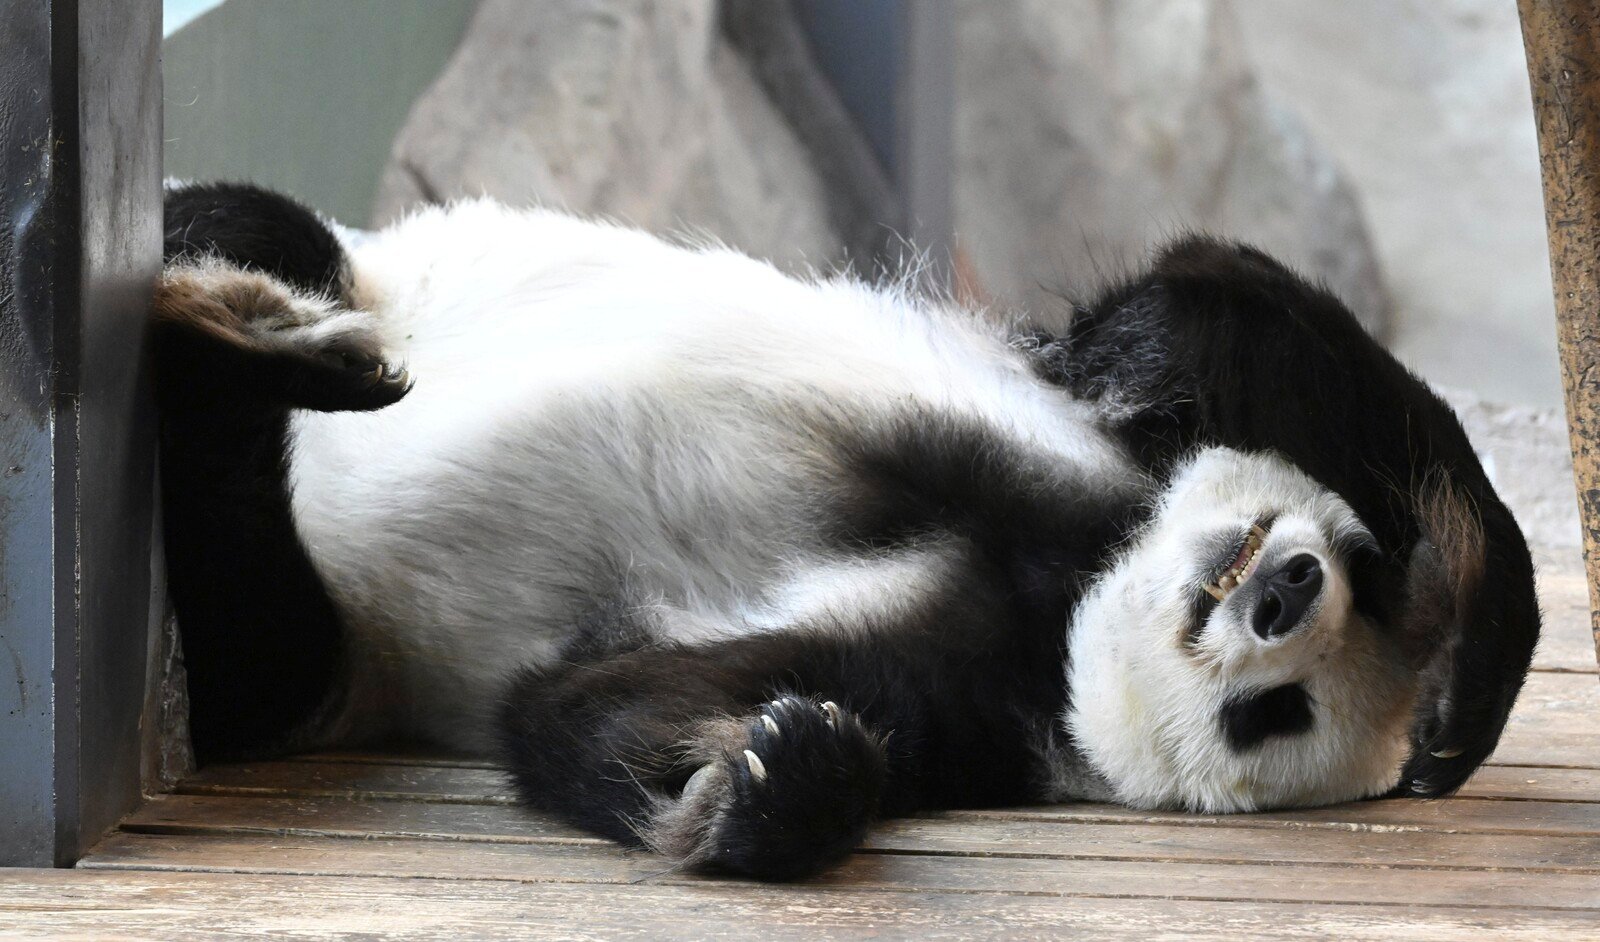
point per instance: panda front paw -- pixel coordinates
(225, 331)
(780, 795)
(339, 364)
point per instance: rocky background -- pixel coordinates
(1384, 146)
(1084, 131)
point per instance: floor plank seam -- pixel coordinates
(628, 853)
(849, 888)
(237, 791)
(1356, 827)
(202, 830)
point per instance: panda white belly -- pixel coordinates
(600, 415)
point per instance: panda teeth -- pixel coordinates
(1242, 566)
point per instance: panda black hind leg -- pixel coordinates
(254, 305)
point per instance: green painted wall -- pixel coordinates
(302, 95)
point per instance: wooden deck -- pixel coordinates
(337, 846)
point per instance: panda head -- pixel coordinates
(1217, 344)
(1230, 659)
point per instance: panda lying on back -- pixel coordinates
(728, 562)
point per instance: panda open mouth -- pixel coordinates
(1241, 565)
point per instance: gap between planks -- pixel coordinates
(399, 781)
(348, 813)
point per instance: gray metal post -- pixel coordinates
(80, 235)
(892, 63)
(925, 127)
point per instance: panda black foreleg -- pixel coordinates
(770, 754)
(703, 754)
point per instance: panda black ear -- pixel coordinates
(1251, 718)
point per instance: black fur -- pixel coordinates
(955, 693)
(262, 640)
(256, 229)
(1250, 718)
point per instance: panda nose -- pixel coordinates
(1288, 594)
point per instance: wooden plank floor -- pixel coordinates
(352, 845)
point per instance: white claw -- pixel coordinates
(757, 770)
(833, 711)
(771, 725)
(1447, 753)
(697, 781)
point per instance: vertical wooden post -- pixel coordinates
(80, 247)
(1562, 40)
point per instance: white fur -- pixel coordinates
(1145, 703)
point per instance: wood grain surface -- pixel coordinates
(1562, 41)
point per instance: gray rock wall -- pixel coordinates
(1425, 104)
(632, 109)
(1087, 130)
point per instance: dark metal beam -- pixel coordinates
(80, 100)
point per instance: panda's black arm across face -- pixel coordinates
(1219, 344)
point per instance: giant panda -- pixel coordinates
(727, 562)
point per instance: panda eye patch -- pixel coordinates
(1248, 719)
